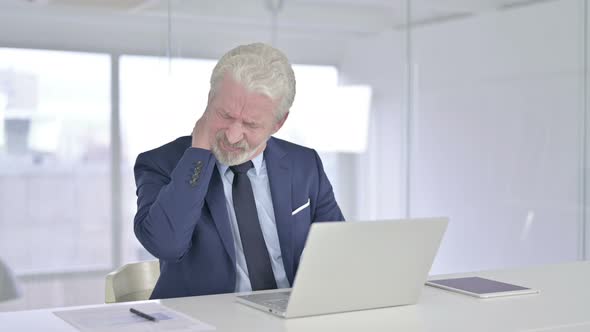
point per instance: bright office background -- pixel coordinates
(472, 109)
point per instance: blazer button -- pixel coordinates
(196, 173)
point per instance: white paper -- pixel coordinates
(114, 318)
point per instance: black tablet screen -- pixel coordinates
(478, 285)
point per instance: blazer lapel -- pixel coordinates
(279, 176)
(216, 202)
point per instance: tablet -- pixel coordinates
(480, 287)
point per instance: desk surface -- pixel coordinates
(563, 305)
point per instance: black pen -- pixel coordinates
(143, 315)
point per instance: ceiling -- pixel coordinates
(338, 15)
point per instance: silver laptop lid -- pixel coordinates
(364, 264)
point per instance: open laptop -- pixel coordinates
(357, 265)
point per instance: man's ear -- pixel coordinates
(280, 123)
(209, 95)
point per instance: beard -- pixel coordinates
(229, 158)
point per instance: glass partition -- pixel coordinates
(497, 135)
(475, 110)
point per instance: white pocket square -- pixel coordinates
(297, 210)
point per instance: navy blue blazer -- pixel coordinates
(182, 215)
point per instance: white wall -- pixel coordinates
(496, 137)
(380, 61)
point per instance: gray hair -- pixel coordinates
(262, 69)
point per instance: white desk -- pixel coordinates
(563, 305)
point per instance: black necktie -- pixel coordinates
(257, 259)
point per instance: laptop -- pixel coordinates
(357, 265)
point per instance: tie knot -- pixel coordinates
(242, 168)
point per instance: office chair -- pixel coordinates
(132, 282)
(9, 288)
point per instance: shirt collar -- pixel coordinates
(257, 161)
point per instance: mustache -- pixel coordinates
(242, 144)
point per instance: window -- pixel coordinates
(54, 155)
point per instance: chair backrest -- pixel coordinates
(9, 288)
(132, 282)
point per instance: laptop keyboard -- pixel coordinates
(280, 304)
(277, 301)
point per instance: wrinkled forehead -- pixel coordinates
(231, 95)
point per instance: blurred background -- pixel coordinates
(472, 109)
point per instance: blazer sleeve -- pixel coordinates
(327, 208)
(169, 204)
